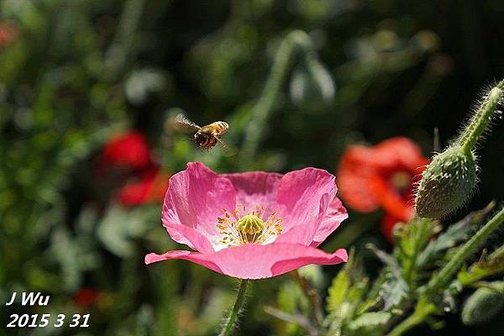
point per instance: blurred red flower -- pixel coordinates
(382, 176)
(125, 164)
(86, 297)
(149, 189)
(8, 32)
(128, 150)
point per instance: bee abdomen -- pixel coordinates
(204, 140)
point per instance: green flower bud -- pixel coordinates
(447, 183)
(451, 177)
(482, 305)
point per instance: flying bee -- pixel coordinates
(206, 137)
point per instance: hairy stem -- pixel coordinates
(120, 50)
(422, 311)
(230, 322)
(482, 118)
(445, 276)
(311, 295)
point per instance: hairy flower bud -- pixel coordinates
(451, 177)
(447, 183)
(482, 305)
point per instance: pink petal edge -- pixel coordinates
(256, 261)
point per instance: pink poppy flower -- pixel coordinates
(252, 225)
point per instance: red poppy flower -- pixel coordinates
(86, 297)
(7, 33)
(382, 176)
(129, 150)
(149, 189)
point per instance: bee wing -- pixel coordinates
(181, 121)
(222, 143)
(228, 150)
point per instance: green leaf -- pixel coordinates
(373, 298)
(338, 290)
(412, 239)
(455, 234)
(342, 283)
(121, 226)
(290, 297)
(485, 267)
(345, 295)
(370, 321)
(394, 289)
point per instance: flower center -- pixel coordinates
(235, 229)
(250, 226)
(401, 180)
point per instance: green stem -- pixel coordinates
(295, 41)
(311, 295)
(445, 276)
(120, 50)
(422, 311)
(230, 322)
(482, 118)
(424, 230)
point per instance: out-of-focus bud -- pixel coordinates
(426, 40)
(312, 85)
(385, 40)
(145, 82)
(447, 183)
(483, 304)
(313, 273)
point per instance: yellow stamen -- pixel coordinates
(249, 228)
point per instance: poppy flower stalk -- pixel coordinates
(251, 225)
(231, 320)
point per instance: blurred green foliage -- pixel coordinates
(79, 71)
